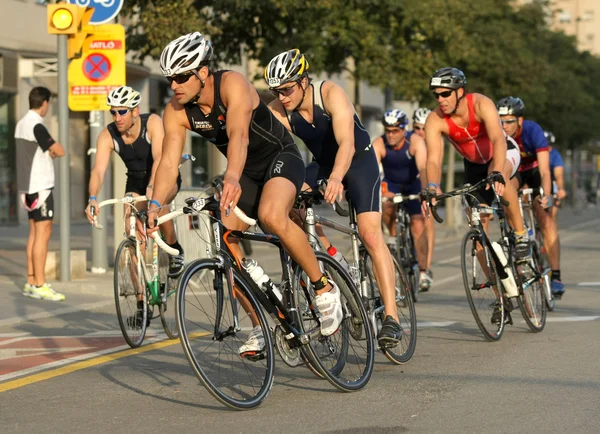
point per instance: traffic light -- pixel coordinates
(62, 19)
(71, 20)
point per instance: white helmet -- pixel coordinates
(124, 96)
(420, 115)
(186, 53)
(287, 67)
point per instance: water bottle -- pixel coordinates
(510, 285)
(260, 277)
(530, 234)
(335, 254)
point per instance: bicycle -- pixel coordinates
(404, 250)
(526, 196)
(212, 326)
(498, 269)
(139, 284)
(361, 272)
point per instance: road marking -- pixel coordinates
(435, 324)
(447, 261)
(46, 375)
(53, 313)
(13, 335)
(447, 279)
(571, 318)
(588, 284)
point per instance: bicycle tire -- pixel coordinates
(337, 356)
(127, 288)
(239, 383)
(545, 269)
(531, 300)
(405, 308)
(168, 297)
(482, 298)
(405, 258)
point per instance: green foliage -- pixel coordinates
(503, 49)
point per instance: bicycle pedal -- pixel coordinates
(253, 356)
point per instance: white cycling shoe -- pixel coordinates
(330, 306)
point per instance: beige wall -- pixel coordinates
(580, 18)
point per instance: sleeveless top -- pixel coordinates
(319, 137)
(138, 155)
(472, 142)
(266, 138)
(399, 166)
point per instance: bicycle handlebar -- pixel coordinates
(130, 200)
(399, 198)
(337, 207)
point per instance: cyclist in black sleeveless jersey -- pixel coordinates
(137, 138)
(264, 168)
(322, 115)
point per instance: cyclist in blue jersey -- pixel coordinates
(557, 169)
(534, 172)
(403, 157)
(322, 115)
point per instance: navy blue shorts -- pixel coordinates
(412, 206)
(362, 181)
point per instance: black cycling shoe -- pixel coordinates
(176, 264)
(390, 333)
(135, 321)
(522, 249)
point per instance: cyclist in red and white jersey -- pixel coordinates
(471, 123)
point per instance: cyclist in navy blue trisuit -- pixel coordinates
(534, 172)
(403, 157)
(322, 115)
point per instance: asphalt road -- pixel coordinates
(63, 367)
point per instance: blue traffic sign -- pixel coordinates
(104, 10)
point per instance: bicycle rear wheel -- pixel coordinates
(130, 292)
(405, 308)
(531, 300)
(211, 337)
(483, 288)
(405, 256)
(346, 357)
(168, 293)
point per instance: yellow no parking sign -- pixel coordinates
(100, 69)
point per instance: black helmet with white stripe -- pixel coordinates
(511, 106)
(450, 78)
(124, 96)
(287, 67)
(186, 53)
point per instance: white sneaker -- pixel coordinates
(425, 280)
(45, 292)
(27, 291)
(255, 342)
(330, 306)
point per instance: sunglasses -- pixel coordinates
(121, 112)
(444, 94)
(417, 128)
(180, 78)
(286, 91)
(394, 131)
(509, 122)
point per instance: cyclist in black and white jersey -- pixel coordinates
(137, 138)
(264, 167)
(35, 181)
(322, 115)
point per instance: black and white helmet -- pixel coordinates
(511, 106)
(420, 115)
(450, 78)
(124, 96)
(287, 67)
(550, 137)
(184, 54)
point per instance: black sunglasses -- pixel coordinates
(509, 122)
(286, 91)
(444, 94)
(180, 78)
(416, 127)
(121, 112)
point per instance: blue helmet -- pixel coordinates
(395, 118)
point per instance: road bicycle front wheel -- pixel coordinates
(532, 301)
(213, 327)
(545, 269)
(346, 357)
(130, 295)
(168, 296)
(405, 249)
(482, 286)
(405, 309)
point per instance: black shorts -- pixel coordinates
(287, 164)
(362, 181)
(531, 178)
(413, 207)
(138, 183)
(44, 212)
